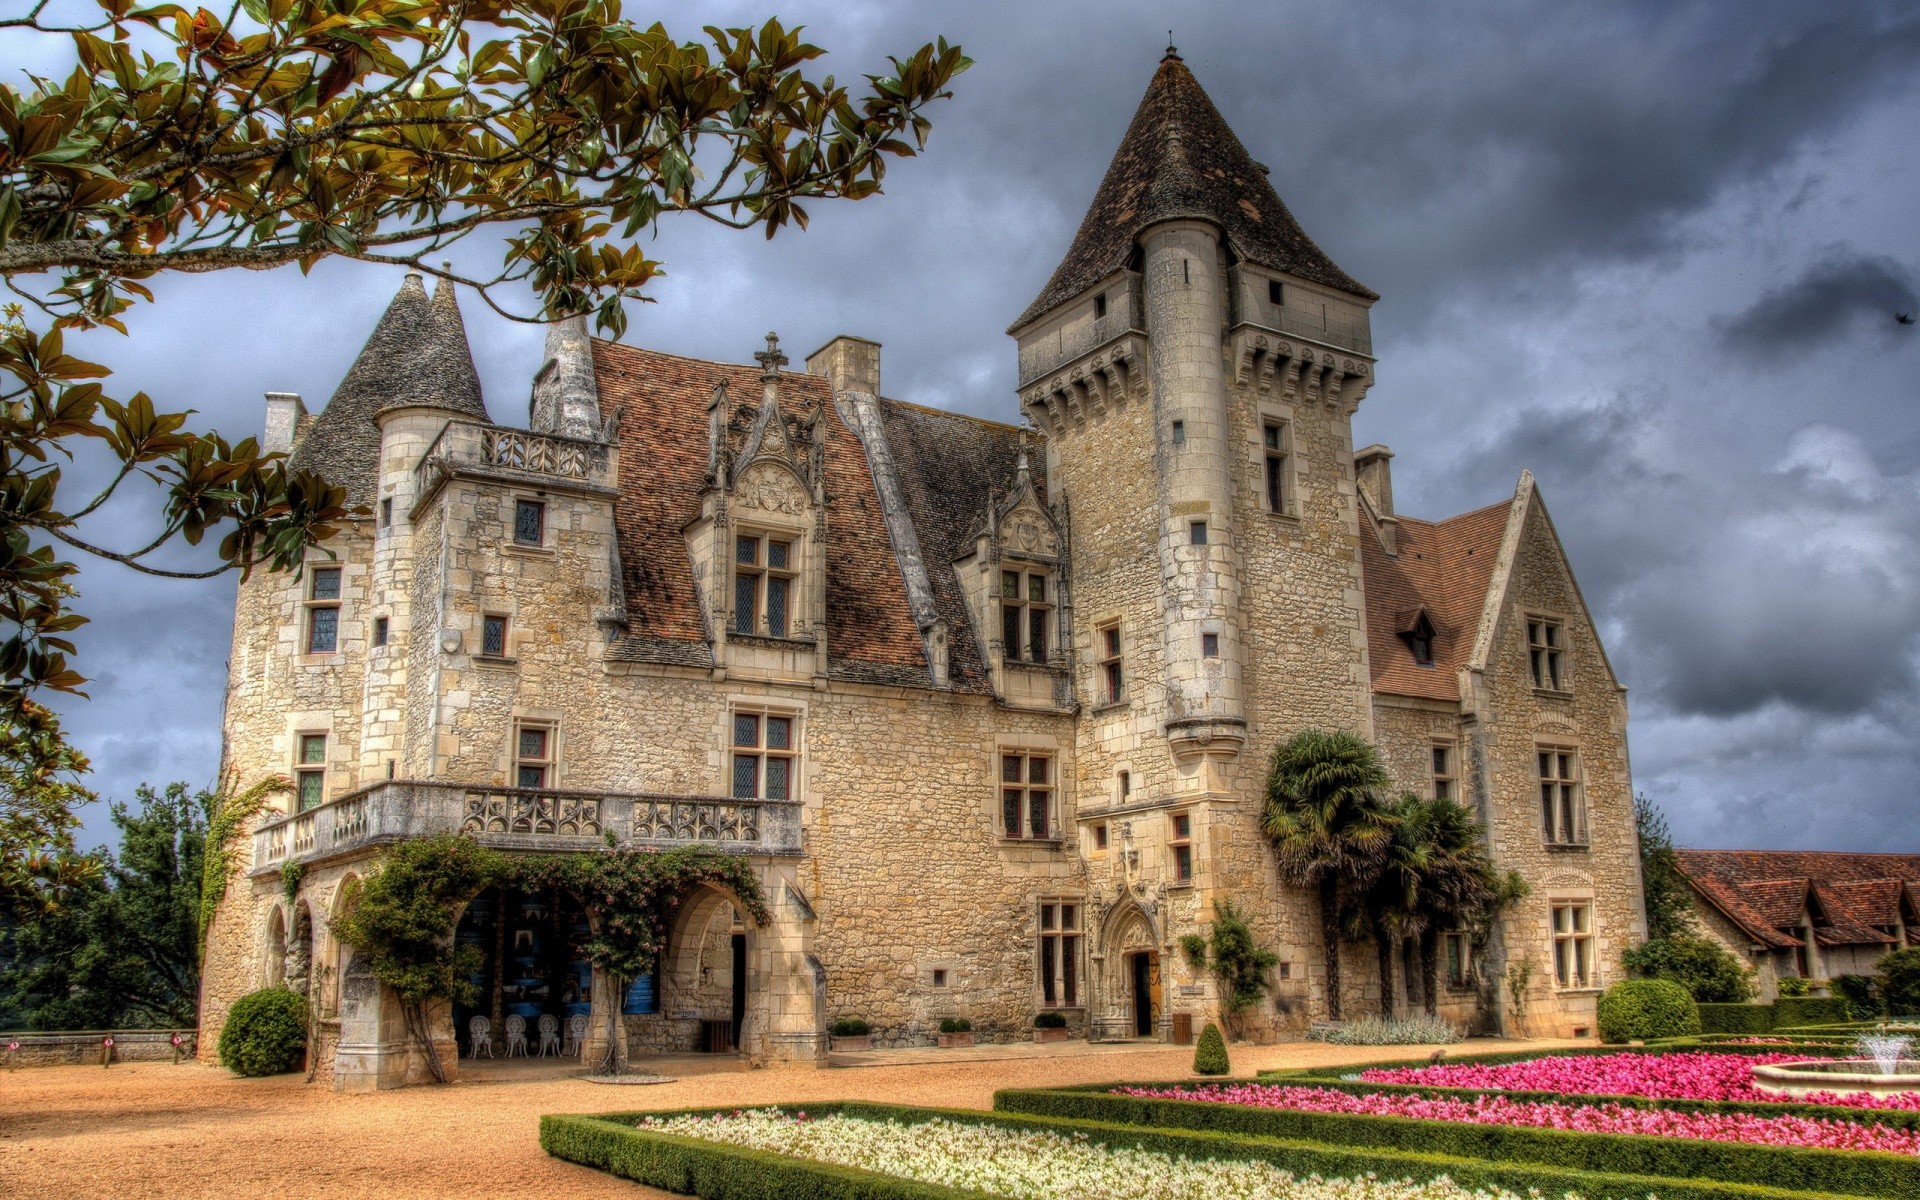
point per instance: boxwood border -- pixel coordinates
(1847, 1172)
(713, 1171)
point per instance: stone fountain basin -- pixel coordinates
(1836, 1075)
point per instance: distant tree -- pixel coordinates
(1669, 897)
(1708, 970)
(285, 132)
(1328, 827)
(122, 951)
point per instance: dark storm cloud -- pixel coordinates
(1566, 209)
(1844, 292)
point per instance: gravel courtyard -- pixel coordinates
(197, 1133)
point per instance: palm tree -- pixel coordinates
(1459, 887)
(1328, 827)
(1396, 906)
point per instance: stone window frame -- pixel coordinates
(1059, 952)
(306, 768)
(1022, 614)
(1583, 942)
(1567, 804)
(1021, 790)
(1549, 657)
(547, 762)
(382, 630)
(793, 753)
(763, 572)
(312, 603)
(538, 500)
(1099, 839)
(1110, 655)
(1456, 950)
(1274, 414)
(1443, 769)
(505, 653)
(1180, 858)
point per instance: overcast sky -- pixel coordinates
(1652, 252)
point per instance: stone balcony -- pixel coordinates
(524, 819)
(517, 455)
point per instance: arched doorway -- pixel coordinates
(277, 947)
(706, 978)
(531, 963)
(1131, 1000)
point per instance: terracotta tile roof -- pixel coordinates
(416, 355)
(662, 399)
(1444, 569)
(1179, 158)
(1768, 891)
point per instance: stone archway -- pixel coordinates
(1131, 1001)
(276, 947)
(708, 997)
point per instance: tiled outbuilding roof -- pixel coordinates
(1179, 159)
(1443, 569)
(416, 356)
(662, 400)
(1770, 892)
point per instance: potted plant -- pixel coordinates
(955, 1031)
(851, 1034)
(1050, 1027)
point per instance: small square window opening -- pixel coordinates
(493, 637)
(379, 631)
(1179, 433)
(1181, 844)
(1100, 837)
(1197, 532)
(386, 513)
(1276, 292)
(939, 977)
(1210, 645)
(1112, 676)
(1099, 307)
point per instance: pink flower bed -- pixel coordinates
(1688, 1076)
(1824, 1133)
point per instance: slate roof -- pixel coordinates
(1766, 892)
(1180, 159)
(416, 356)
(662, 398)
(951, 468)
(1443, 568)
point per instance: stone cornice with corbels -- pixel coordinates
(1296, 370)
(1086, 388)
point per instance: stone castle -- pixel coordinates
(987, 706)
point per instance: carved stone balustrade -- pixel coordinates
(524, 819)
(494, 451)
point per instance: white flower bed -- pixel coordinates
(1023, 1165)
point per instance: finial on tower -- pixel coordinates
(1172, 52)
(771, 359)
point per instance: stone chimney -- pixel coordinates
(852, 364)
(1373, 471)
(286, 421)
(566, 393)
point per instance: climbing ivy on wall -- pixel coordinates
(231, 810)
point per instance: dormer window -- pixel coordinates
(1026, 606)
(763, 585)
(1417, 632)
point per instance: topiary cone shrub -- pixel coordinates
(265, 1034)
(1644, 1009)
(1210, 1056)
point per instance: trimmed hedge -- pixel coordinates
(1846, 1172)
(1809, 1010)
(1736, 1018)
(715, 1171)
(265, 1033)
(1643, 1009)
(1210, 1056)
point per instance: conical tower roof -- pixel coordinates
(1179, 159)
(417, 357)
